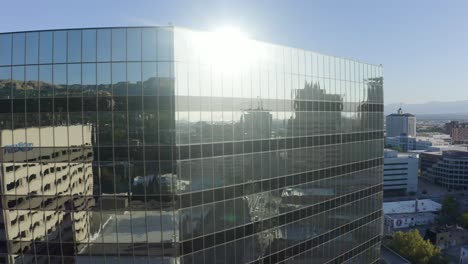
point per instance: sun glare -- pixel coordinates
(230, 33)
(228, 48)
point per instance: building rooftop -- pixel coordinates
(404, 114)
(412, 206)
(407, 155)
(407, 215)
(446, 228)
(390, 153)
(455, 152)
(417, 151)
(400, 113)
(434, 139)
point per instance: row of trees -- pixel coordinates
(399, 149)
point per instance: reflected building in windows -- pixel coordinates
(47, 191)
(256, 123)
(166, 145)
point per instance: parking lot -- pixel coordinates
(428, 190)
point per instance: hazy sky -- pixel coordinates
(423, 45)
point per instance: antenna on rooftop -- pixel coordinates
(400, 111)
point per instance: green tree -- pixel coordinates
(413, 247)
(450, 210)
(463, 221)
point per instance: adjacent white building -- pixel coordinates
(400, 172)
(405, 214)
(400, 123)
(397, 221)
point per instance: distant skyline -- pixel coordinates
(423, 45)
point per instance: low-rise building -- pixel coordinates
(458, 131)
(400, 172)
(446, 168)
(447, 236)
(411, 206)
(404, 214)
(397, 221)
(407, 143)
(401, 142)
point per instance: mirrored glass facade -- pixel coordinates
(165, 145)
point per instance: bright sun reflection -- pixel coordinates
(230, 33)
(228, 48)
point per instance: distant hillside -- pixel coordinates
(445, 117)
(457, 108)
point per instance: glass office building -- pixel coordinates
(165, 145)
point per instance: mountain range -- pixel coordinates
(435, 108)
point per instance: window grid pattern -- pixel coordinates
(164, 145)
